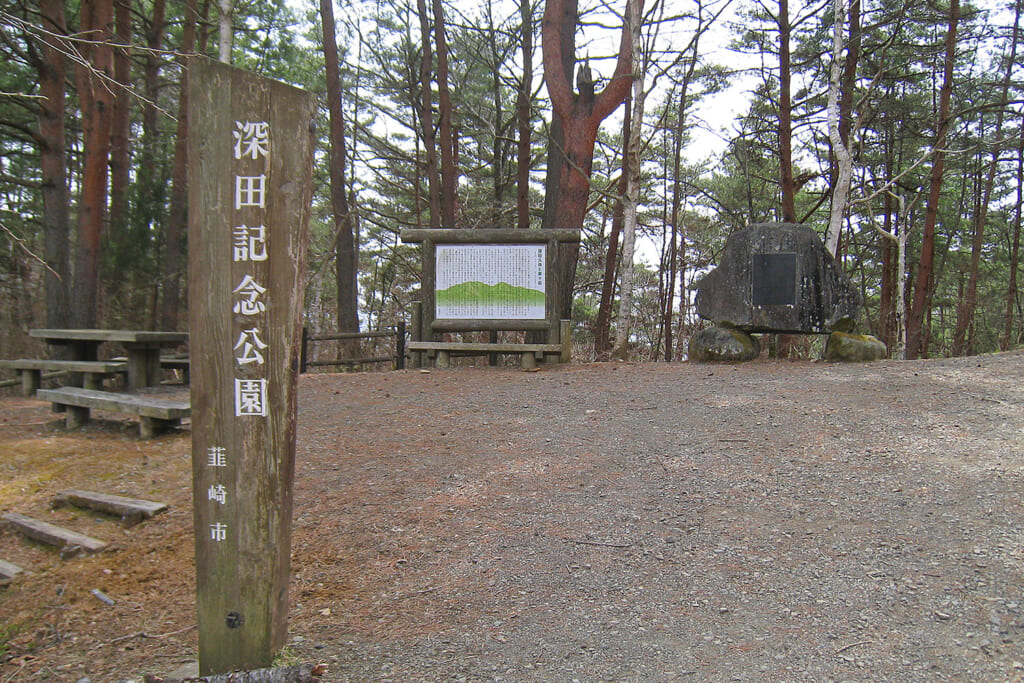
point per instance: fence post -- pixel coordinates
(400, 345)
(416, 333)
(303, 353)
(565, 338)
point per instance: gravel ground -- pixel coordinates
(767, 521)
(771, 521)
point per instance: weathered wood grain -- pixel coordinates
(131, 510)
(52, 534)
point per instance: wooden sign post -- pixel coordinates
(250, 153)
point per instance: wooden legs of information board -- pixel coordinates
(557, 351)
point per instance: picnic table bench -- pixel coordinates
(92, 373)
(142, 348)
(155, 414)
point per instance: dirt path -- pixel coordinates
(620, 522)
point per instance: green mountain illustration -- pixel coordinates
(479, 293)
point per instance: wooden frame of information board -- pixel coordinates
(479, 253)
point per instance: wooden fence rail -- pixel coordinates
(397, 358)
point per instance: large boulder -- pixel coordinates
(854, 348)
(778, 277)
(723, 344)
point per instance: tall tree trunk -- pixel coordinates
(203, 26)
(499, 146)
(96, 105)
(224, 44)
(840, 115)
(52, 69)
(925, 282)
(1007, 341)
(669, 301)
(675, 217)
(346, 256)
(426, 113)
(525, 154)
(449, 173)
(787, 186)
(120, 149)
(962, 341)
(177, 216)
(631, 198)
(581, 115)
(151, 174)
(567, 18)
(603, 323)
(887, 291)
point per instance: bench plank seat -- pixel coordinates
(52, 534)
(484, 347)
(31, 371)
(100, 366)
(156, 414)
(130, 510)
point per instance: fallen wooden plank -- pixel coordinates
(9, 570)
(53, 534)
(130, 510)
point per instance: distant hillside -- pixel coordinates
(478, 292)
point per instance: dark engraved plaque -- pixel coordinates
(773, 279)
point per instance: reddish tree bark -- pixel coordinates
(925, 283)
(52, 69)
(580, 115)
(96, 105)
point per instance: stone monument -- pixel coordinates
(774, 278)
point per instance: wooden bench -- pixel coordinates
(92, 372)
(155, 414)
(529, 353)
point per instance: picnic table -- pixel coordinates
(142, 347)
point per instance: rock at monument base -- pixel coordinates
(723, 344)
(778, 278)
(854, 348)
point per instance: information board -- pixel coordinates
(490, 281)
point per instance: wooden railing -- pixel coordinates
(397, 358)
